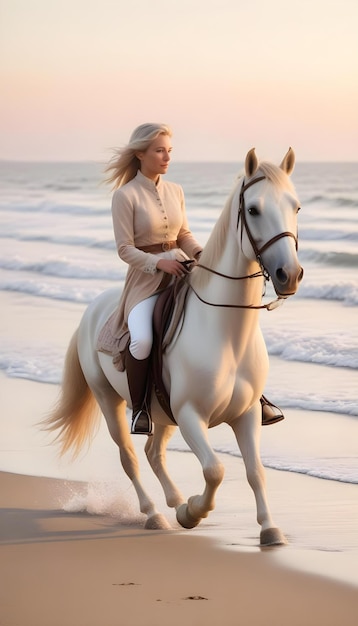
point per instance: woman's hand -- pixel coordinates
(176, 268)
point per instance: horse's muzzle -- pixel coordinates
(287, 282)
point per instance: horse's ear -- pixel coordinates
(251, 163)
(288, 162)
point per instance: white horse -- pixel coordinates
(215, 368)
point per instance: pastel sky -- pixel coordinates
(76, 76)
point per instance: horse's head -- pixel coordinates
(267, 221)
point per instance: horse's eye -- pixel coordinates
(252, 210)
(298, 209)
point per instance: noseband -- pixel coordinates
(244, 225)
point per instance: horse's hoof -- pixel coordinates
(272, 537)
(157, 522)
(185, 519)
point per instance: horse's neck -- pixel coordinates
(233, 263)
(232, 319)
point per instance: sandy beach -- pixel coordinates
(75, 553)
(76, 569)
(73, 550)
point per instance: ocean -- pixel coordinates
(57, 252)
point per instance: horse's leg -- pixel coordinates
(247, 430)
(113, 408)
(155, 450)
(195, 433)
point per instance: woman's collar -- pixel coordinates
(148, 182)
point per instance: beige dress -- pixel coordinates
(146, 213)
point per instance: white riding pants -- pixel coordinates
(141, 328)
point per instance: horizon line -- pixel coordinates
(179, 162)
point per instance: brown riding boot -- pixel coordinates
(271, 414)
(137, 374)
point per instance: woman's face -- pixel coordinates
(155, 160)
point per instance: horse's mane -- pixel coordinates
(215, 245)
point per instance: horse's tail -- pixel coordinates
(76, 412)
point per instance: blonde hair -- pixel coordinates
(125, 164)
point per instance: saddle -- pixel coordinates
(168, 311)
(167, 314)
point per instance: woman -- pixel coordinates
(152, 235)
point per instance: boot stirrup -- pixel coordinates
(141, 423)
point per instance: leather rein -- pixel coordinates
(258, 252)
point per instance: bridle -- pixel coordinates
(258, 252)
(244, 225)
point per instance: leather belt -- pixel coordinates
(155, 248)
